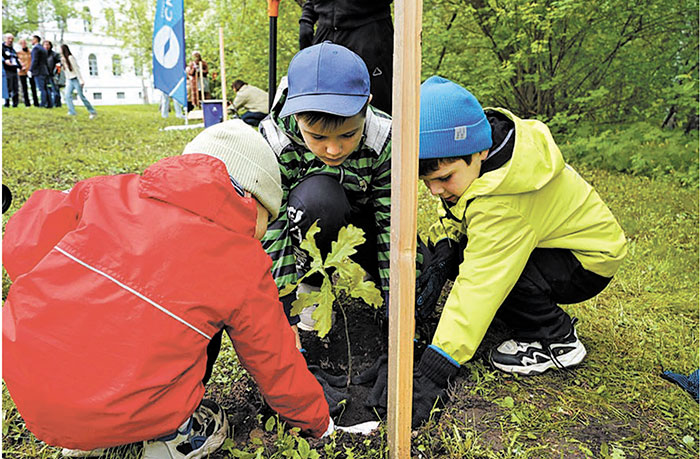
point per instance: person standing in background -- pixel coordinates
(362, 26)
(10, 63)
(39, 71)
(25, 60)
(198, 82)
(53, 62)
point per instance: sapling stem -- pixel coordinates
(347, 341)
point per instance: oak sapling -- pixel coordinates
(350, 281)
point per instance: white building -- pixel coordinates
(111, 78)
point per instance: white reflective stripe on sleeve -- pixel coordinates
(131, 290)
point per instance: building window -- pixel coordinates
(116, 65)
(121, 95)
(97, 95)
(87, 20)
(140, 94)
(92, 63)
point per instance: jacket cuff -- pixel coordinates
(330, 429)
(437, 366)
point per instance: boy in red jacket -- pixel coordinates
(122, 288)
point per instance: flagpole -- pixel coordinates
(223, 71)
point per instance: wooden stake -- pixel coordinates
(404, 191)
(223, 71)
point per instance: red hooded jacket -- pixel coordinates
(118, 286)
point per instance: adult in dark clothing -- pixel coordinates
(40, 72)
(365, 27)
(25, 59)
(10, 63)
(53, 62)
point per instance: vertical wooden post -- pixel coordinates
(404, 190)
(223, 71)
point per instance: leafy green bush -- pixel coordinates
(639, 148)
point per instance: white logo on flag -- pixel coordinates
(460, 132)
(166, 48)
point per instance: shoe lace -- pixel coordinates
(547, 345)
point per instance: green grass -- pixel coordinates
(614, 405)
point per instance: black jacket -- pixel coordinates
(39, 61)
(9, 53)
(52, 58)
(344, 14)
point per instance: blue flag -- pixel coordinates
(169, 50)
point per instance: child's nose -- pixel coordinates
(435, 188)
(334, 148)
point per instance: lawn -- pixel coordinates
(614, 405)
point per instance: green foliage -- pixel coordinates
(24, 16)
(286, 444)
(640, 149)
(605, 60)
(350, 277)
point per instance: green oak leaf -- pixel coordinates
(349, 237)
(309, 244)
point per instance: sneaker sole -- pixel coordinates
(571, 359)
(213, 443)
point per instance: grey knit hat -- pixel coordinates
(248, 159)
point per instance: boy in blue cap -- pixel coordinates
(334, 152)
(520, 232)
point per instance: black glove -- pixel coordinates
(443, 265)
(430, 381)
(378, 373)
(328, 382)
(306, 34)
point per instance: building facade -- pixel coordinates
(110, 73)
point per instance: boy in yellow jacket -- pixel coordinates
(520, 232)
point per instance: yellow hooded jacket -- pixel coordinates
(534, 200)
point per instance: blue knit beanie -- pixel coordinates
(452, 122)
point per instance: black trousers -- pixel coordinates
(25, 89)
(213, 349)
(374, 43)
(551, 277)
(321, 197)
(35, 98)
(12, 89)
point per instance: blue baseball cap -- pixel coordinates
(452, 122)
(326, 78)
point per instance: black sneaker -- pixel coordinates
(539, 356)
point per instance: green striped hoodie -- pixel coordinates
(365, 177)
